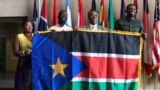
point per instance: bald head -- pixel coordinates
(62, 16)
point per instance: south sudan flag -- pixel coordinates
(85, 60)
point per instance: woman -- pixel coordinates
(22, 49)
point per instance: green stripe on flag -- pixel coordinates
(100, 86)
(110, 16)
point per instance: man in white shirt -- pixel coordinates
(61, 26)
(93, 21)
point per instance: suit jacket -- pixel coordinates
(98, 27)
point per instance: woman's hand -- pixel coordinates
(28, 52)
(21, 53)
(25, 53)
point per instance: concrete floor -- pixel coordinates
(7, 82)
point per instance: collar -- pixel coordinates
(93, 27)
(62, 26)
(130, 18)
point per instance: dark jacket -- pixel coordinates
(126, 24)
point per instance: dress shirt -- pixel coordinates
(60, 28)
(93, 27)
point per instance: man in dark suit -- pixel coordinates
(93, 22)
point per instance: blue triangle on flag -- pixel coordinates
(42, 58)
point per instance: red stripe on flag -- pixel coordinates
(145, 21)
(136, 4)
(80, 13)
(55, 14)
(116, 68)
(44, 10)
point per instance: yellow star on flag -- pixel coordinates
(58, 68)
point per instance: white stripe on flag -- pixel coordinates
(106, 55)
(44, 19)
(154, 58)
(69, 23)
(104, 80)
(156, 43)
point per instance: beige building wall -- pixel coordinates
(14, 8)
(11, 8)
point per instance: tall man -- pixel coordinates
(129, 23)
(93, 21)
(61, 26)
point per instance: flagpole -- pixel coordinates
(39, 11)
(39, 8)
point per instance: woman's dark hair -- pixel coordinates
(25, 21)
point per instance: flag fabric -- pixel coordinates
(69, 20)
(94, 5)
(156, 39)
(102, 14)
(110, 16)
(43, 23)
(136, 5)
(147, 30)
(35, 17)
(86, 61)
(145, 15)
(80, 13)
(123, 11)
(55, 13)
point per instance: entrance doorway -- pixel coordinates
(9, 28)
(3, 56)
